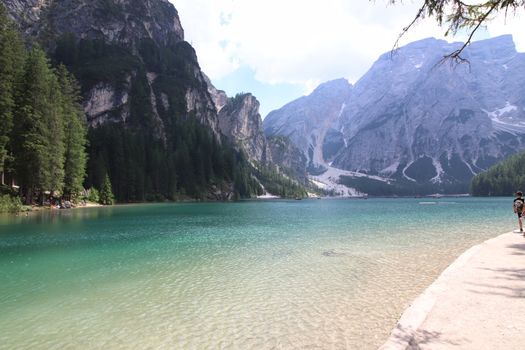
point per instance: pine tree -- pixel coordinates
(46, 110)
(74, 134)
(32, 131)
(54, 117)
(106, 194)
(11, 52)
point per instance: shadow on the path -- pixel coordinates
(421, 337)
(519, 247)
(516, 276)
(509, 292)
(508, 273)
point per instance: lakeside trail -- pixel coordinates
(478, 302)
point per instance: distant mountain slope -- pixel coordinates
(416, 121)
(307, 120)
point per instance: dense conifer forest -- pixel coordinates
(503, 179)
(47, 150)
(42, 133)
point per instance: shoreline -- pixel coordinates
(452, 312)
(35, 209)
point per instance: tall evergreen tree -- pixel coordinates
(75, 136)
(32, 130)
(55, 127)
(106, 193)
(11, 53)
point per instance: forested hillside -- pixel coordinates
(42, 132)
(144, 117)
(160, 153)
(503, 179)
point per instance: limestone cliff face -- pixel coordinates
(240, 122)
(26, 13)
(117, 21)
(219, 97)
(200, 103)
(143, 45)
(101, 100)
(307, 120)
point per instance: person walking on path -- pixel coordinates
(518, 208)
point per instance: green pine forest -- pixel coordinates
(47, 149)
(503, 179)
(42, 135)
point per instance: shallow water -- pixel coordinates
(249, 275)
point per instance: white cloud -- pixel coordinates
(513, 24)
(302, 41)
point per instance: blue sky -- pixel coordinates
(271, 96)
(280, 50)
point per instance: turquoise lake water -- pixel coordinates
(314, 274)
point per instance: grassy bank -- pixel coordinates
(10, 204)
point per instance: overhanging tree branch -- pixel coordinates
(458, 15)
(456, 55)
(420, 13)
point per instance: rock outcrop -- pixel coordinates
(122, 22)
(134, 42)
(241, 123)
(219, 97)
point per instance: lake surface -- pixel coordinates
(311, 274)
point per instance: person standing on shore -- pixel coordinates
(518, 208)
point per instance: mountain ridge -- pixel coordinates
(414, 120)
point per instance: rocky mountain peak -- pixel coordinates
(501, 47)
(240, 121)
(123, 22)
(332, 87)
